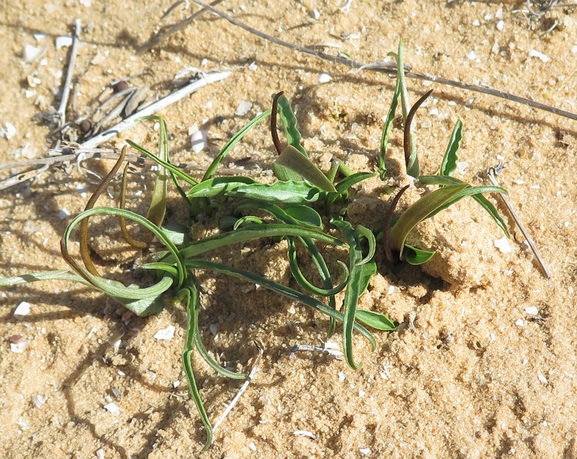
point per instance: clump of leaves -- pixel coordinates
(450, 189)
(302, 206)
(289, 203)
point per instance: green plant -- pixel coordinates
(286, 202)
(450, 188)
(302, 206)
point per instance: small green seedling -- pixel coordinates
(450, 188)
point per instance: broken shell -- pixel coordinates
(31, 53)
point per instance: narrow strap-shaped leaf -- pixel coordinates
(42, 276)
(415, 256)
(175, 170)
(375, 320)
(355, 286)
(304, 282)
(278, 192)
(450, 158)
(251, 233)
(474, 192)
(351, 180)
(280, 289)
(289, 123)
(417, 213)
(294, 160)
(382, 167)
(191, 295)
(141, 301)
(231, 144)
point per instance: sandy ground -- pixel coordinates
(490, 367)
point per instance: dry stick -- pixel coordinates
(390, 68)
(154, 107)
(491, 176)
(242, 389)
(66, 89)
(125, 124)
(162, 34)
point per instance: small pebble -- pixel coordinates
(325, 78)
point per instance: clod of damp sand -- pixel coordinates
(22, 310)
(166, 333)
(243, 108)
(325, 78)
(112, 408)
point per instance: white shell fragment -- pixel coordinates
(198, 140)
(243, 108)
(166, 333)
(539, 55)
(20, 346)
(38, 400)
(532, 310)
(112, 408)
(365, 451)
(64, 213)
(542, 378)
(63, 41)
(31, 53)
(22, 310)
(8, 132)
(304, 433)
(520, 322)
(325, 78)
(503, 245)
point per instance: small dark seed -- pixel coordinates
(15, 339)
(85, 126)
(121, 85)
